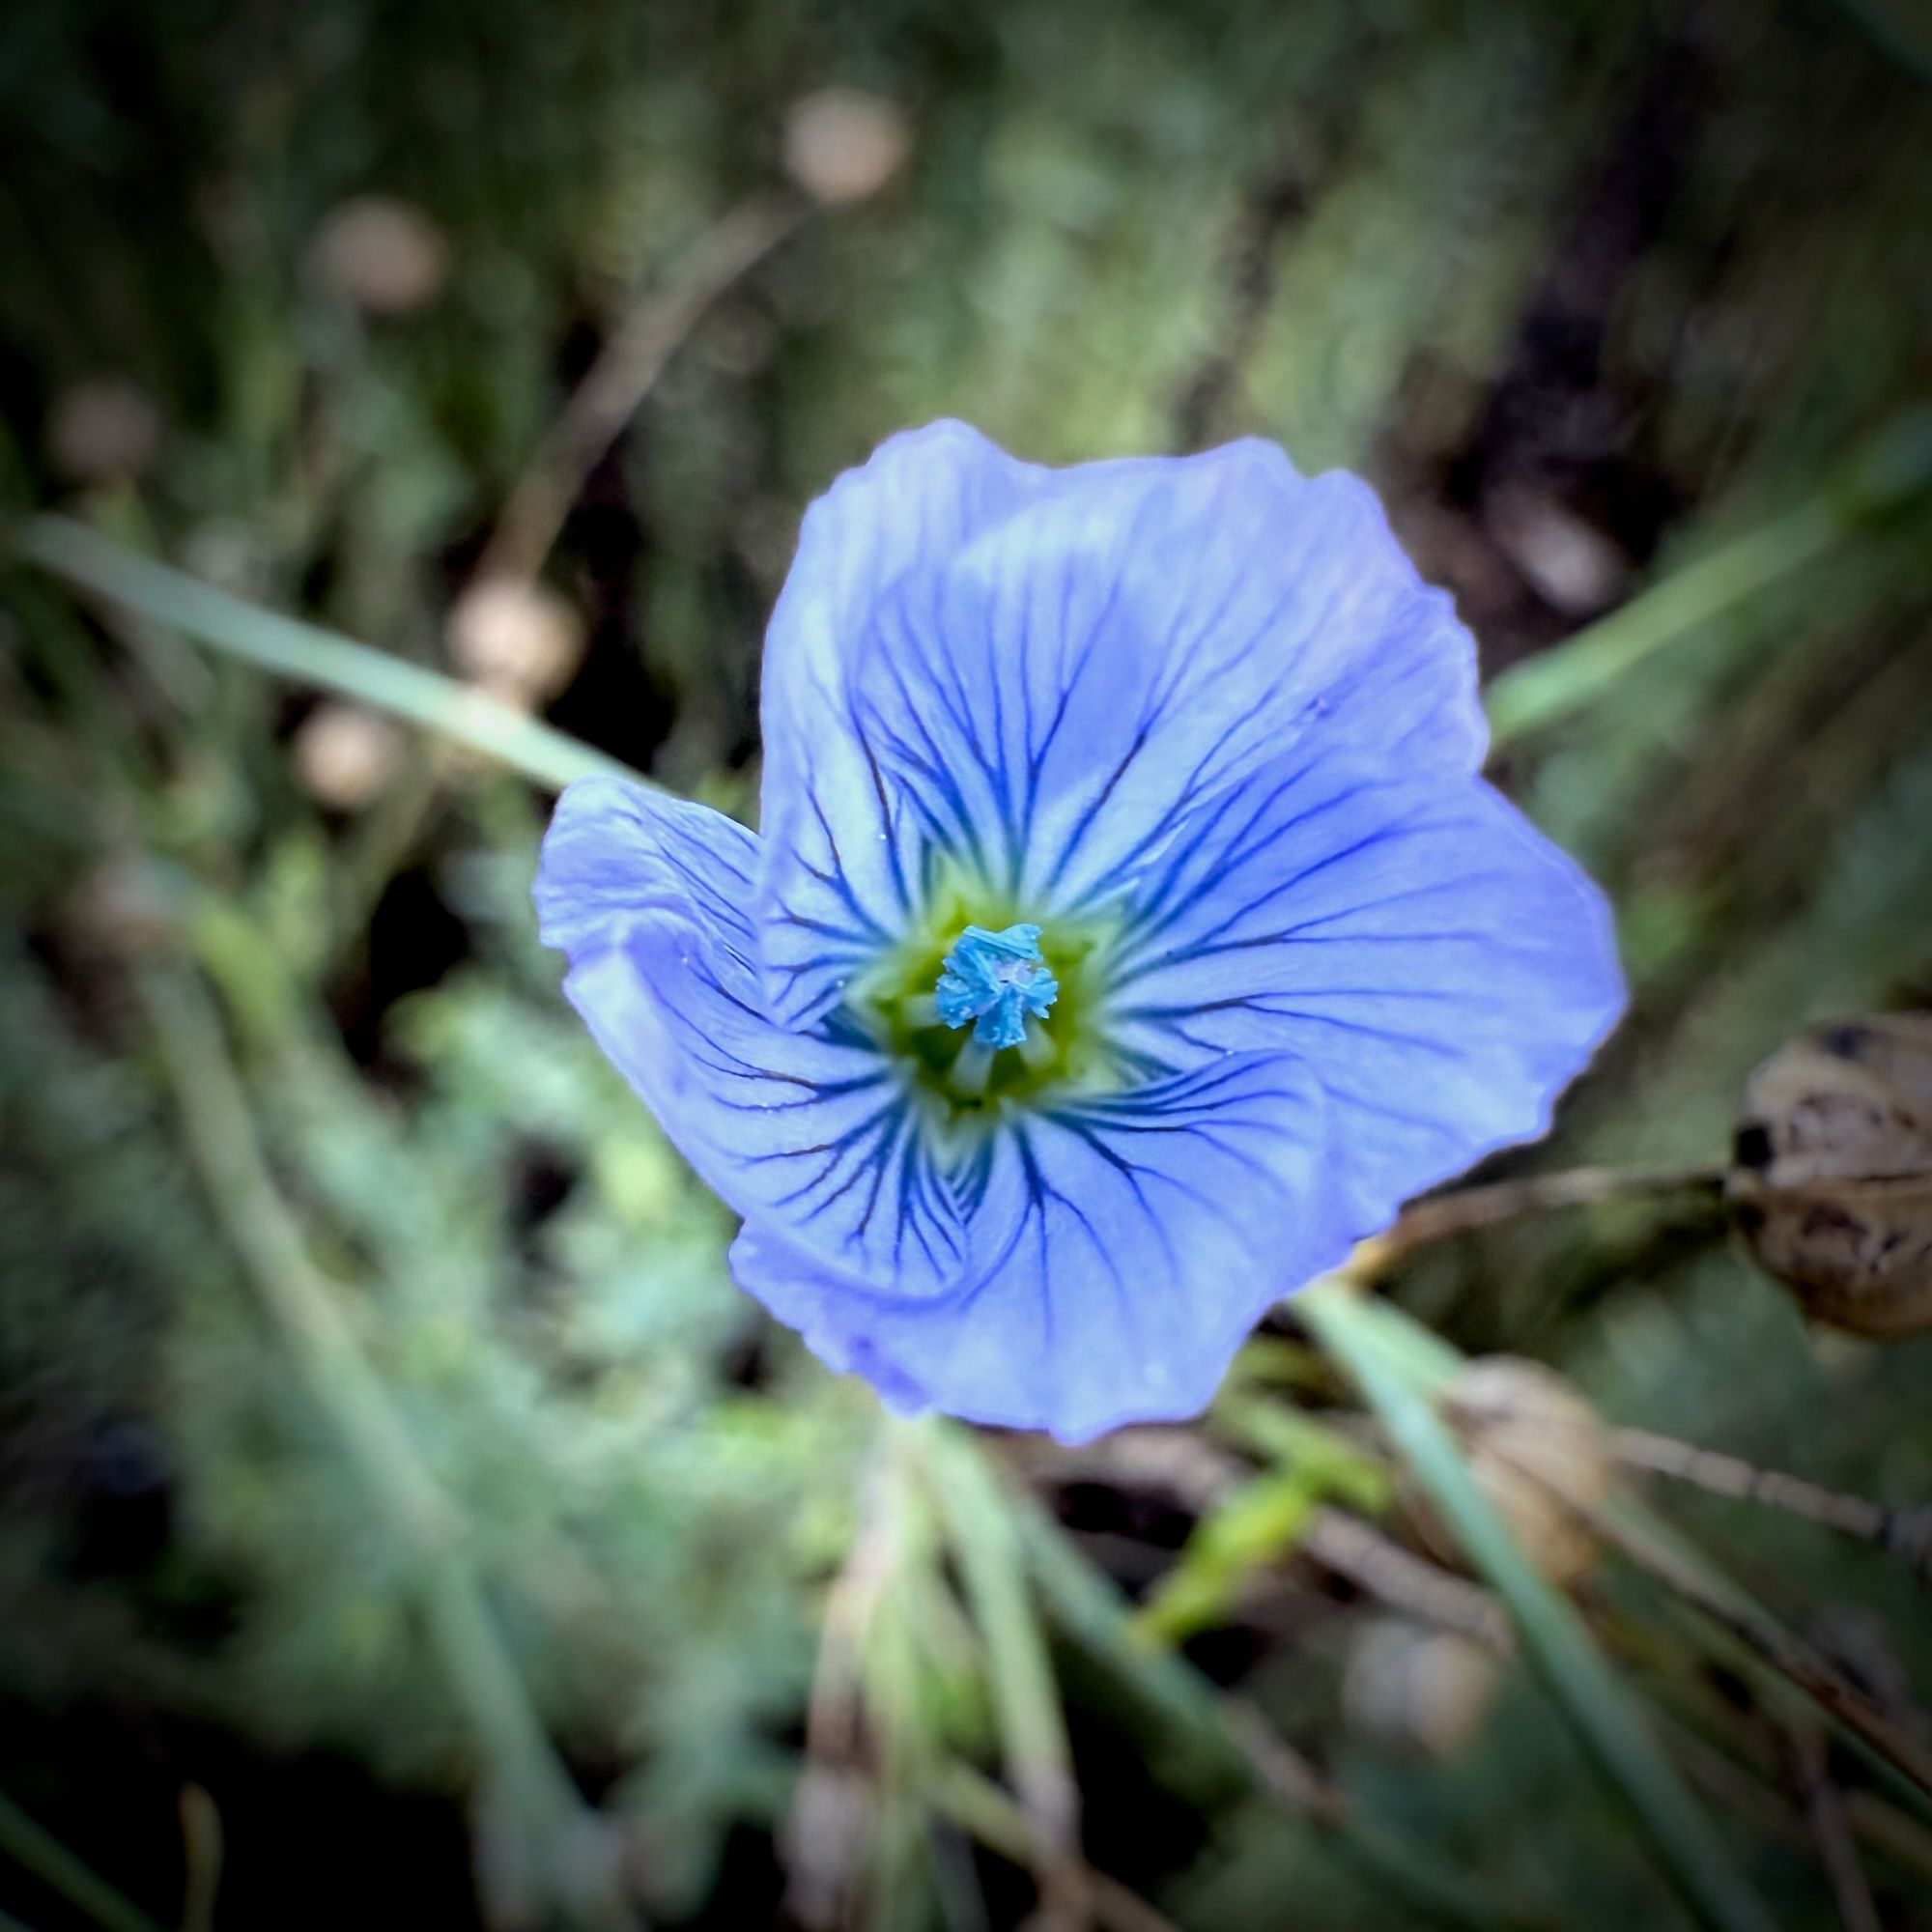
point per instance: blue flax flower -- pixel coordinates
(1128, 932)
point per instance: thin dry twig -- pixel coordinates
(1907, 1532)
(1781, 1649)
(1403, 1580)
(828, 1808)
(1199, 1475)
(1279, 1769)
(1891, 1831)
(1809, 1759)
(980, 1807)
(632, 360)
(1469, 1209)
(1771, 1641)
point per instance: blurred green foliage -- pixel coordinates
(1591, 290)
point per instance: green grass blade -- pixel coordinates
(1554, 1635)
(1884, 475)
(308, 654)
(40, 1852)
(1571, 675)
(1208, 1745)
(1026, 1695)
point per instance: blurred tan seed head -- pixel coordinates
(841, 145)
(119, 909)
(100, 431)
(344, 755)
(518, 640)
(1425, 1692)
(385, 256)
(1539, 1453)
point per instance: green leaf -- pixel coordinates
(1026, 1696)
(1253, 1525)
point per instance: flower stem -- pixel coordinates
(1026, 1696)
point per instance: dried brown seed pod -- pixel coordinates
(1427, 1691)
(1832, 1185)
(1539, 1453)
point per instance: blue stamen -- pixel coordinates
(996, 979)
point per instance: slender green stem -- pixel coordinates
(1025, 1691)
(1425, 1359)
(1882, 476)
(1564, 679)
(202, 1855)
(980, 1807)
(308, 653)
(1225, 1749)
(32, 1845)
(1554, 1635)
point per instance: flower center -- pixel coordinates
(994, 980)
(971, 978)
(995, 983)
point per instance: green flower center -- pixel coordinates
(983, 1006)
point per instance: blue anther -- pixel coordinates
(996, 979)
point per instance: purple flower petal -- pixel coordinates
(1038, 682)
(814, 1130)
(1127, 1246)
(1438, 966)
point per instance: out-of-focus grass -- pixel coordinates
(1598, 295)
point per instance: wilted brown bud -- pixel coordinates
(1541, 1455)
(518, 640)
(1426, 1691)
(385, 256)
(344, 755)
(1833, 1186)
(841, 145)
(100, 431)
